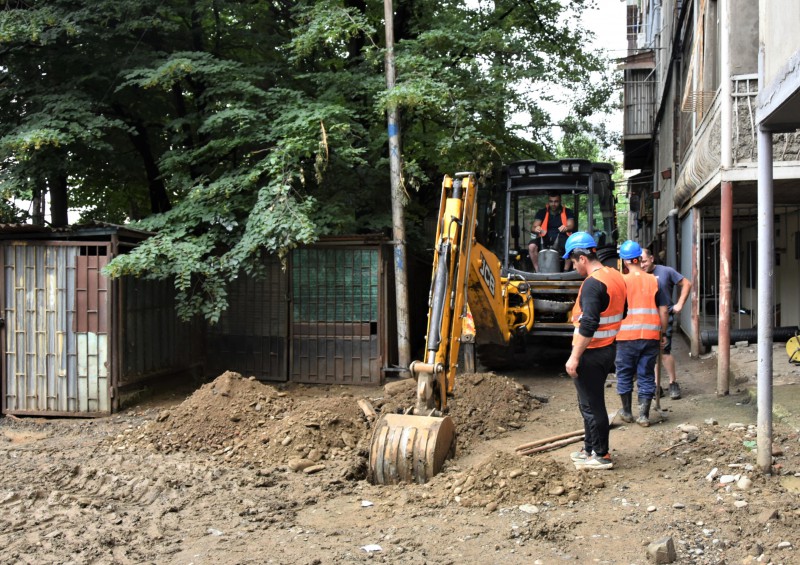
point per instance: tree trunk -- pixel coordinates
(159, 200)
(37, 206)
(356, 43)
(59, 201)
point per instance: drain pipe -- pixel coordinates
(726, 204)
(672, 239)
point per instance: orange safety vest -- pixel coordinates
(611, 317)
(547, 217)
(642, 321)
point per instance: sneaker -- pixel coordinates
(674, 391)
(579, 455)
(595, 462)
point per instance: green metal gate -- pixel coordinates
(335, 315)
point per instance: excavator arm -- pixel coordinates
(413, 446)
(447, 303)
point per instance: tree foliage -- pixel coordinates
(233, 129)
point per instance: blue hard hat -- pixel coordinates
(579, 240)
(630, 250)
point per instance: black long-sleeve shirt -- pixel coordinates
(594, 300)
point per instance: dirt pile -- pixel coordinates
(509, 480)
(246, 422)
(484, 406)
(209, 480)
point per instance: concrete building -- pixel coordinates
(778, 103)
(691, 137)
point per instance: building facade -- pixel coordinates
(690, 142)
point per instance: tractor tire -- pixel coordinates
(495, 357)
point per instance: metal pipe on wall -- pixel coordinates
(696, 218)
(726, 203)
(766, 301)
(672, 239)
(725, 251)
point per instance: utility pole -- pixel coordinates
(398, 211)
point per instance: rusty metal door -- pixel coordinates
(335, 315)
(56, 351)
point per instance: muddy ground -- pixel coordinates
(238, 471)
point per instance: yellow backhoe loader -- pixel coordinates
(510, 305)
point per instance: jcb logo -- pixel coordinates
(487, 275)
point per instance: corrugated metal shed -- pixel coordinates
(252, 336)
(72, 338)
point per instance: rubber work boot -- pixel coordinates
(644, 413)
(625, 414)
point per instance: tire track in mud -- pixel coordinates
(62, 505)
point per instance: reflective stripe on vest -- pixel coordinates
(611, 317)
(642, 321)
(642, 311)
(599, 334)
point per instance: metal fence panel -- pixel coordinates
(154, 340)
(336, 305)
(251, 337)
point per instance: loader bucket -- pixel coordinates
(407, 448)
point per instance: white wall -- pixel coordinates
(779, 21)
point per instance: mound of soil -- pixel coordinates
(508, 480)
(246, 422)
(483, 406)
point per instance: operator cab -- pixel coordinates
(584, 188)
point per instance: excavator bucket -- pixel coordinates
(408, 448)
(793, 349)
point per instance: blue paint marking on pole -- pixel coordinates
(393, 130)
(398, 258)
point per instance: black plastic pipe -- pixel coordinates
(784, 333)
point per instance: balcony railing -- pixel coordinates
(745, 91)
(640, 104)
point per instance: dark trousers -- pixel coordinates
(593, 368)
(636, 361)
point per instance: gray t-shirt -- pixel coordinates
(667, 279)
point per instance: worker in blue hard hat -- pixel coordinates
(642, 333)
(597, 315)
(668, 278)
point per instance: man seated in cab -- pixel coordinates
(552, 226)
